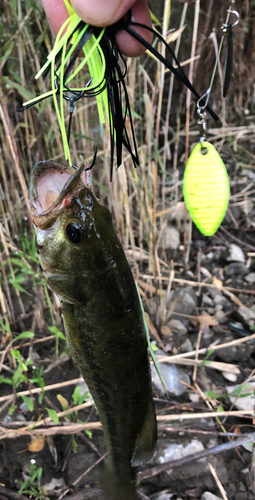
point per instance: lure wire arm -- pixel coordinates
(112, 81)
(227, 28)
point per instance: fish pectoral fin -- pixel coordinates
(147, 438)
(67, 286)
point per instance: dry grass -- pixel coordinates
(143, 200)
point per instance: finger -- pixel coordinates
(126, 43)
(102, 12)
(56, 13)
(95, 13)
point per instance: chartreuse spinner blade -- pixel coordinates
(206, 188)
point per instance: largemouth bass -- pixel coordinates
(85, 264)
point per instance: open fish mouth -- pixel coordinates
(53, 186)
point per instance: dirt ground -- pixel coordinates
(65, 457)
(198, 293)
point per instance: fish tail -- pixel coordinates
(116, 488)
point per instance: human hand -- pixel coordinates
(104, 13)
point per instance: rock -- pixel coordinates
(231, 377)
(168, 450)
(228, 354)
(186, 346)
(170, 238)
(175, 324)
(172, 375)
(246, 399)
(213, 292)
(236, 268)
(192, 473)
(209, 496)
(14, 417)
(221, 316)
(83, 389)
(206, 301)
(246, 172)
(182, 300)
(218, 307)
(19, 417)
(54, 486)
(250, 277)
(241, 486)
(209, 255)
(246, 315)
(223, 301)
(24, 407)
(194, 397)
(249, 446)
(234, 254)
(161, 496)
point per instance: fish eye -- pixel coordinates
(73, 233)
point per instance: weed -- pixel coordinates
(29, 487)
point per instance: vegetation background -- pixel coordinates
(143, 201)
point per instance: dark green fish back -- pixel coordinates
(105, 332)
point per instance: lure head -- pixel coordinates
(72, 228)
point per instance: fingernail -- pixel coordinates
(96, 12)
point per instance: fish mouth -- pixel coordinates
(53, 186)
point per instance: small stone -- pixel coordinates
(245, 471)
(246, 399)
(24, 407)
(186, 346)
(170, 238)
(221, 316)
(209, 496)
(223, 301)
(231, 377)
(165, 496)
(182, 300)
(236, 268)
(246, 315)
(228, 354)
(250, 277)
(211, 311)
(172, 376)
(20, 418)
(246, 172)
(175, 324)
(210, 255)
(168, 451)
(206, 301)
(218, 307)
(248, 446)
(217, 253)
(213, 292)
(241, 486)
(54, 486)
(194, 397)
(235, 254)
(84, 388)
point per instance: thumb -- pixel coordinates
(102, 12)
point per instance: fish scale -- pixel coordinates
(103, 321)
